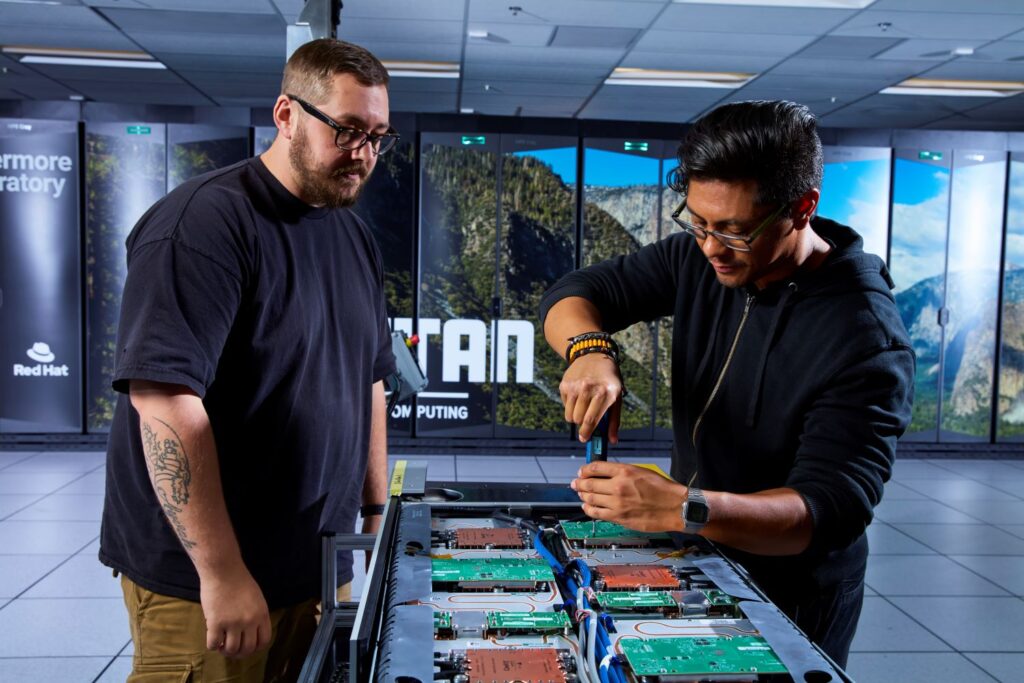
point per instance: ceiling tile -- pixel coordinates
(937, 50)
(416, 52)
(423, 85)
(987, 6)
(403, 11)
(752, 19)
(767, 45)
(422, 102)
(131, 20)
(933, 25)
(594, 36)
(849, 47)
(878, 68)
(223, 63)
(556, 72)
(86, 39)
(979, 69)
(358, 30)
(562, 56)
(53, 17)
(542, 87)
(236, 45)
(238, 6)
(490, 104)
(617, 13)
(163, 93)
(1012, 50)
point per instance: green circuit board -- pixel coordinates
(607, 533)
(491, 570)
(695, 656)
(621, 601)
(442, 623)
(528, 622)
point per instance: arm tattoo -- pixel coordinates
(168, 466)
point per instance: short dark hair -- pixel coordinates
(311, 68)
(773, 143)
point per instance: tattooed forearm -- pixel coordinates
(169, 468)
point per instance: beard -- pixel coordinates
(319, 187)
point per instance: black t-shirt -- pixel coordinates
(273, 312)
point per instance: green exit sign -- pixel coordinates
(139, 130)
(634, 146)
(473, 139)
(930, 156)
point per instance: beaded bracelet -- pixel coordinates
(591, 342)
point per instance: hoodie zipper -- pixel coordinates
(725, 367)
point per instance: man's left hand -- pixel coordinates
(634, 497)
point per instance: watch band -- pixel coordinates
(371, 510)
(695, 511)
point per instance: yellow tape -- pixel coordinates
(398, 478)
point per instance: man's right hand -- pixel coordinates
(590, 387)
(237, 618)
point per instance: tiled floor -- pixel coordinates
(945, 598)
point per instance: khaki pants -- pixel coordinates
(170, 641)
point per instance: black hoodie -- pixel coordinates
(816, 394)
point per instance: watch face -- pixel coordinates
(696, 512)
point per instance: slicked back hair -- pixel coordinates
(773, 143)
(311, 69)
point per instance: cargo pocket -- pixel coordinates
(161, 673)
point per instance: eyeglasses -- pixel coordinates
(735, 242)
(347, 138)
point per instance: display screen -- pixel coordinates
(855, 192)
(920, 215)
(125, 174)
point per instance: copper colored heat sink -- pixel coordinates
(504, 537)
(633, 576)
(529, 665)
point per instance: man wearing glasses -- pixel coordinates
(791, 368)
(252, 346)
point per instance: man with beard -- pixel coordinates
(252, 346)
(792, 372)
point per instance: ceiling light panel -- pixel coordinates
(92, 62)
(677, 79)
(699, 61)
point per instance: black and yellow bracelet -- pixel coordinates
(591, 342)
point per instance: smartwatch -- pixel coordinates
(695, 511)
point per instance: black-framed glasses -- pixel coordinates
(735, 242)
(348, 138)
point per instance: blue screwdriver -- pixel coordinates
(597, 451)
